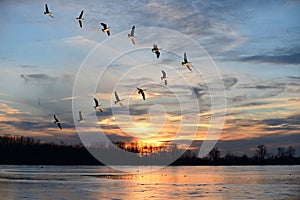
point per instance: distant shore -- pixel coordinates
(28, 151)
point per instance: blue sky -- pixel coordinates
(254, 44)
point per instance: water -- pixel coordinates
(180, 182)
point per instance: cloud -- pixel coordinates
(277, 56)
(37, 78)
(200, 90)
(29, 66)
(4, 108)
(246, 146)
(229, 82)
(287, 123)
(79, 40)
(276, 59)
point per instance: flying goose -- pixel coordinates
(97, 105)
(47, 11)
(164, 77)
(155, 50)
(81, 120)
(118, 101)
(57, 122)
(131, 35)
(185, 62)
(141, 91)
(79, 19)
(105, 28)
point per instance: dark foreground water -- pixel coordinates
(180, 182)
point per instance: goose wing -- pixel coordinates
(55, 118)
(157, 54)
(132, 40)
(96, 102)
(81, 14)
(185, 57)
(164, 74)
(188, 66)
(104, 25)
(143, 95)
(108, 32)
(46, 8)
(80, 116)
(117, 97)
(132, 31)
(100, 109)
(166, 82)
(59, 126)
(80, 23)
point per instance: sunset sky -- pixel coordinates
(254, 44)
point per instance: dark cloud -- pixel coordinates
(229, 82)
(246, 146)
(294, 77)
(265, 89)
(288, 123)
(35, 125)
(118, 138)
(199, 90)
(36, 77)
(255, 104)
(278, 56)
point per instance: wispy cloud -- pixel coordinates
(79, 41)
(37, 78)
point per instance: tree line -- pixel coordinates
(27, 150)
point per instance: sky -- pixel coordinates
(253, 47)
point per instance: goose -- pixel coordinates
(97, 105)
(57, 122)
(131, 35)
(118, 101)
(185, 62)
(47, 11)
(81, 120)
(79, 19)
(141, 91)
(155, 50)
(105, 28)
(164, 77)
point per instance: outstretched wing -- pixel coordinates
(143, 94)
(164, 73)
(55, 118)
(80, 116)
(132, 30)
(80, 23)
(117, 97)
(104, 25)
(132, 40)
(166, 82)
(46, 8)
(100, 109)
(185, 57)
(96, 102)
(59, 126)
(157, 54)
(108, 33)
(188, 66)
(81, 14)
(155, 46)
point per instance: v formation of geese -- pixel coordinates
(131, 36)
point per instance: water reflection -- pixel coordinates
(77, 182)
